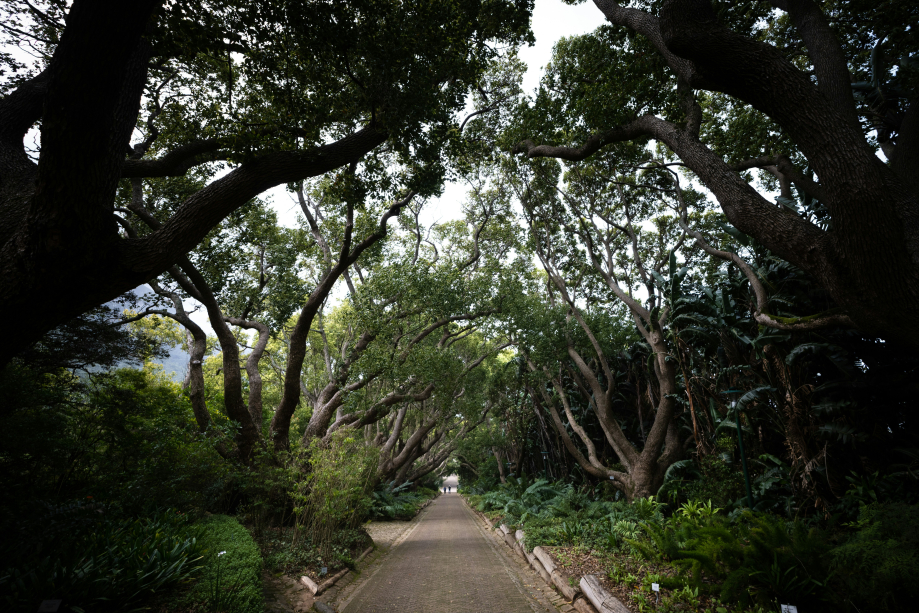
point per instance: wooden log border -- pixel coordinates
(603, 601)
(317, 589)
(597, 600)
(542, 562)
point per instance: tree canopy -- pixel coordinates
(278, 91)
(693, 248)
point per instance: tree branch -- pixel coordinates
(594, 143)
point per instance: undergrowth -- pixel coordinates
(95, 562)
(744, 559)
(390, 502)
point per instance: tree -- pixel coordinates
(406, 355)
(602, 215)
(358, 365)
(744, 87)
(278, 91)
(250, 307)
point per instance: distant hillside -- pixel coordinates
(175, 364)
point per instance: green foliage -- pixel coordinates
(231, 580)
(126, 437)
(664, 543)
(289, 551)
(876, 568)
(336, 491)
(718, 477)
(697, 511)
(267, 489)
(398, 502)
(520, 498)
(90, 341)
(760, 558)
(561, 514)
(76, 552)
(648, 509)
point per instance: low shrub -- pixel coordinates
(231, 580)
(759, 559)
(335, 493)
(287, 551)
(391, 502)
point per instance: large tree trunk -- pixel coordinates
(252, 371)
(869, 261)
(56, 219)
(195, 378)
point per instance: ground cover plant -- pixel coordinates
(399, 502)
(97, 562)
(292, 552)
(231, 574)
(707, 559)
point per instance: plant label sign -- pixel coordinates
(656, 587)
(789, 608)
(49, 606)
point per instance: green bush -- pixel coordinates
(292, 552)
(760, 558)
(94, 562)
(561, 514)
(231, 581)
(388, 502)
(336, 491)
(126, 437)
(877, 568)
(718, 479)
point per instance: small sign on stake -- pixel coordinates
(49, 606)
(324, 570)
(655, 587)
(789, 608)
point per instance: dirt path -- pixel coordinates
(446, 564)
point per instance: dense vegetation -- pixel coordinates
(670, 333)
(706, 557)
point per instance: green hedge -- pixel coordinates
(230, 581)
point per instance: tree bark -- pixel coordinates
(498, 459)
(280, 423)
(57, 218)
(252, 372)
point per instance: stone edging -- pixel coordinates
(590, 597)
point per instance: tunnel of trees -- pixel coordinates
(685, 272)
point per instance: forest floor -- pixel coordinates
(445, 562)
